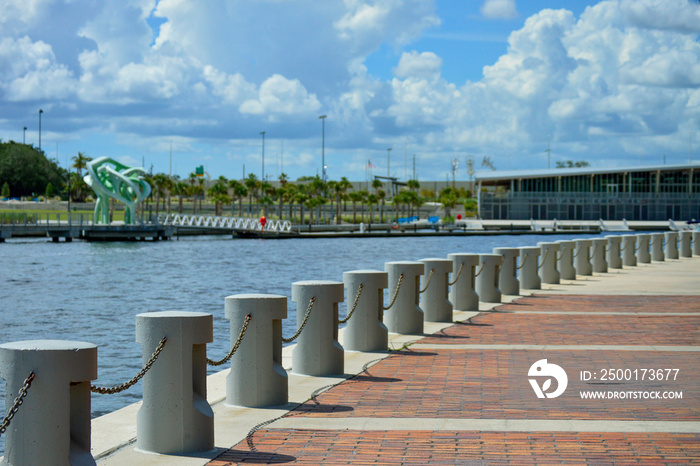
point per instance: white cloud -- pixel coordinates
(279, 95)
(425, 65)
(499, 9)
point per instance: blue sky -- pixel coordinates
(616, 83)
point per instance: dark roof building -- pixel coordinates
(656, 192)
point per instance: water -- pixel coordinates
(92, 291)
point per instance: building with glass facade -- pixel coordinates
(635, 193)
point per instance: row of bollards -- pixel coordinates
(53, 424)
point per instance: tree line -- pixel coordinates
(26, 171)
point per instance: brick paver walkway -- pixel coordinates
(457, 382)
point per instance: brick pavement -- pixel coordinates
(445, 383)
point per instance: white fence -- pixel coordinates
(228, 223)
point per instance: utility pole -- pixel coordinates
(24, 135)
(263, 155)
(548, 151)
(323, 146)
(40, 112)
(414, 166)
(388, 162)
(171, 159)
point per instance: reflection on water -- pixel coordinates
(92, 291)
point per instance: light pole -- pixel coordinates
(40, 112)
(323, 146)
(24, 135)
(388, 162)
(262, 133)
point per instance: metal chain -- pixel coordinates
(427, 283)
(578, 250)
(481, 269)
(125, 385)
(522, 264)
(303, 323)
(235, 346)
(539, 266)
(396, 293)
(354, 306)
(459, 272)
(17, 403)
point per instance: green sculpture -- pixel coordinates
(111, 179)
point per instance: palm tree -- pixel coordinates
(363, 197)
(355, 197)
(160, 180)
(448, 198)
(195, 191)
(371, 200)
(239, 192)
(301, 198)
(252, 183)
(180, 189)
(381, 194)
(283, 178)
(219, 193)
(80, 162)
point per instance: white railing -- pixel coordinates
(229, 223)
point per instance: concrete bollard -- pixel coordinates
(463, 295)
(175, 417)
(548, 268)
(487, 278)
(629, 246)
(365, 330)
(643, 256)
(566, 259)
(435, 299)
(685, 238)
(657, 247)
(405, 316)
(318, 351)
(257, 378)
(671, 244)
(52, 426)
(613, 252)
(582, 257)
(508, 276)
(598, 253)
(696, 243)
(529, 262)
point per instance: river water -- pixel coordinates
(92, 291)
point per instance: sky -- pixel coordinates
(175, 84)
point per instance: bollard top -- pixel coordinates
(549, 244)
(403, 263)
(584, 242)
(530, 249)
(172, 314)
(614, 238)
(364, 272)
(254, 296)
(47, 345)
(462, 255)
(315, 283)
(599, 240)
(567, 242)
(436, 259)
(502, 251)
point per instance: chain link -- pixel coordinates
(17, 403)
(396, 293)
(235, 346)
(539, 266)
(459, 272)
(303, 323)
(354, 306)
(130, 383)
(481, 269)
(427, 282)
(522, 264)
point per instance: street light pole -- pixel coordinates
(263, 155)
(40, 112)
(388, 162)
(323, 146)
(24, 135)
